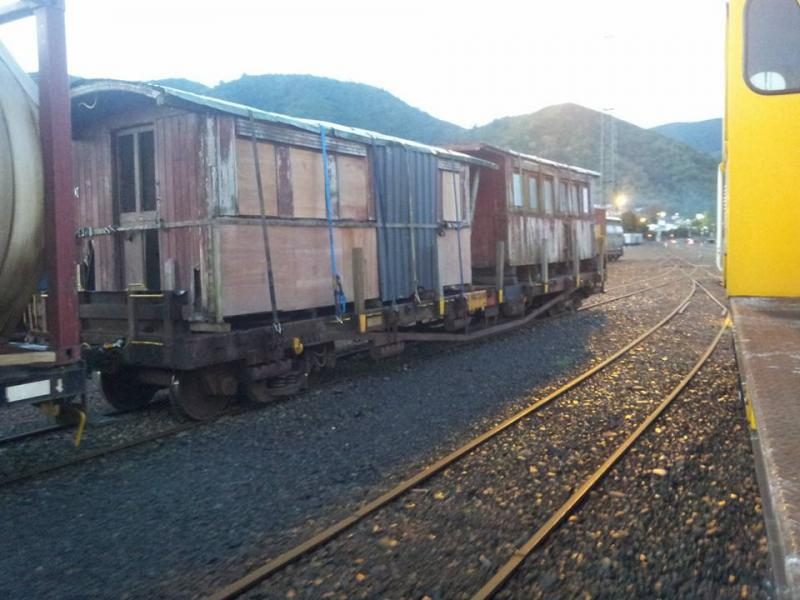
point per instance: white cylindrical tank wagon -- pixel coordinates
(21, 193)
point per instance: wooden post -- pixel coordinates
(576, 256)
(358, 288)
(499, 269)
(602, 263)
(544, 265)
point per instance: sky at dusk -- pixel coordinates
(648, 61)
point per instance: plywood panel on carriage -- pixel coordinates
(14, 356)
(249, 203)
(767, 334)
(353, 188)
(455, 266)
(301, 263)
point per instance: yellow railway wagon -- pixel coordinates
(761, 156)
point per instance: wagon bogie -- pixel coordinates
(203, 394)
(124, 390)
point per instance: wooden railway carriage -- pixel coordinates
(224, 245)
(533, 217)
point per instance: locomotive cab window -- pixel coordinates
(772, 45)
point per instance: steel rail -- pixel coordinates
(17, 437)
(101, 419)
(503, 573)
(276, 564)
(82, 458)
(713, 297)
(629, 294)
(668, 271)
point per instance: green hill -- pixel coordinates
(705, 136)
(653, 170)
(354, 104)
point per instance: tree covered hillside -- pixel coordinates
(652, 170)
(705, 136)
(354, 104)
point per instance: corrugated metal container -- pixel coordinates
(169, 199)
(534, 206)
(422, 210)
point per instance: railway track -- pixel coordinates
(629, 294)
(33, 433)
(668, 271)
(558, 516)
(101, 452)
(91, 455)
(277, 564)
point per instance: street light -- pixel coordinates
(620, 201)
(642, 220)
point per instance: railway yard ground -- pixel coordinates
(221, 509)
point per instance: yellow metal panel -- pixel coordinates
(476, 301)
(762, 166)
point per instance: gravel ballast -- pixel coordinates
(183, 516)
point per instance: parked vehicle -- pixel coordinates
(633, 239)
(615, 240)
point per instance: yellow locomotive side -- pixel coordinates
(761, 153)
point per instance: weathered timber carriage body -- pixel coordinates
(533, 231)
(228, 249)
(225, 246)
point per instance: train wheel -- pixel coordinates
(124, 392)
(258, 392)
(192, 396)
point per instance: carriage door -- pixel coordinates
(135, 186)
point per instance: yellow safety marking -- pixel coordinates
(500, 296)
(297, 346)
(362, 323)
(476, 301)
(441, 306)
(81, 427)
(146, 343)
(751, 415)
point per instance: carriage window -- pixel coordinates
(573, 199)
(772, 45)
(135, 180)
(126, 174)
(585, 199)
(563, 198)
(547, 194)
(516, 192)
(533, 192)
(147, 170)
